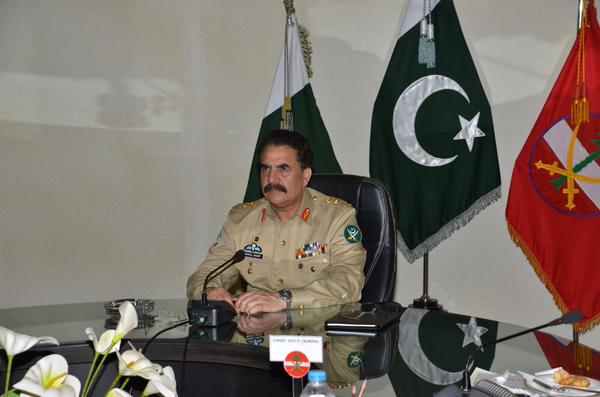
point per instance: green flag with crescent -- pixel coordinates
(432, 137)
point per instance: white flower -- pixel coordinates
(118, 393)
(133, 363)
(165, 385)
(15, 343)
(106, 340)
(49, 377)
(127, 322)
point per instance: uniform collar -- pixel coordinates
(305, 211)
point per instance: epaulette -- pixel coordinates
(336, 201)
(249, 205)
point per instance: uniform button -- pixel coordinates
(250, 264)
(313, 269)
(300, 265)
(301, 307)
(325, 260)
(249, 271)
(280, 281)
(314, 198)
(336, 201)
(282, 243)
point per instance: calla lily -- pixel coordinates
(165, 385)
(15, 343)
(118, 393)
(111, 339)
(127, 322)
(133, 363)
(102, 345)
(49, 377)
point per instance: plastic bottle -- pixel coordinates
(317, 387)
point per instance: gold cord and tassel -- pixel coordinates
(580, 112)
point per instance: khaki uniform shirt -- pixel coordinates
(318, 254)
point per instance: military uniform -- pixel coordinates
(317, 254)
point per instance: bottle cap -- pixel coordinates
(317, 376)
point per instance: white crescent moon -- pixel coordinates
(405, 113)
(413, 354)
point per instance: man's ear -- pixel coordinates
(306, 174)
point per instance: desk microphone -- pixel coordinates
(569, 318)
(213, 313)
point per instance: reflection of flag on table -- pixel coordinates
(553, 210)
(433, 349)
(432, 137)
(574, 358)
(306, 116)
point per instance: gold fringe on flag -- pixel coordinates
(562, 306)
(581, 107)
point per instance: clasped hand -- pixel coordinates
(250, 302)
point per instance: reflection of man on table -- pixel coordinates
(343, 355)
(302, 248)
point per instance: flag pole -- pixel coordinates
(287, 116)
(579, 21)
(425, 301)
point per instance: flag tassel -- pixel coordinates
(580, 112)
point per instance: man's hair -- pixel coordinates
(292, 139)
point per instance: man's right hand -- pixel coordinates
(219, 294)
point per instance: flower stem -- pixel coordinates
(8, 371)
(125, 383)
(96, 373)
(112, 386)
(89, 375)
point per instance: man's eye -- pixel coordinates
(264, 169)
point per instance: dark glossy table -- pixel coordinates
(426, 352)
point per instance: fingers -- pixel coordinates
(259, 301)
(220, 294)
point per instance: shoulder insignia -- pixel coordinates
(251, 204)
(337, 202)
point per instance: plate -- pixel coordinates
(548, 379)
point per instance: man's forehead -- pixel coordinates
(279, 154)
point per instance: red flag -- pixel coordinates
(553, 210)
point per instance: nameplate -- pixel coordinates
(281, 345)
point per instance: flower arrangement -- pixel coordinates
(49, 377)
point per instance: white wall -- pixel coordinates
(127, 128)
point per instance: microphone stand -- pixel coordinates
(213, 313)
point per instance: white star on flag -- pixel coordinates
(472, 332)
(469, 130)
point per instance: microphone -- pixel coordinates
(568, 318)
(213, 313)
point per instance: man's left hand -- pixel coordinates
(259, 301)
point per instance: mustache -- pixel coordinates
(274, 186)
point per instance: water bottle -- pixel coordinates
(317, 387)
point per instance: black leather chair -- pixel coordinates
(375, 215)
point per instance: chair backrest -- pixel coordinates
(375, 216)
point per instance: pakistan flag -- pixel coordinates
(432, 137)
(292, 78)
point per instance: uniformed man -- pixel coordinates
(302, 248)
